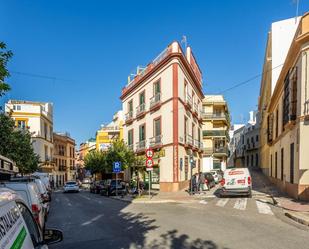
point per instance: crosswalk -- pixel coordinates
(241, 204)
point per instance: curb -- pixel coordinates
(297, 219)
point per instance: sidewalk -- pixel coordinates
(265, 191)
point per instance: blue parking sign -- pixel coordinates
(116, 167)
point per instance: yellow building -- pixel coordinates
(287, 130)
(109, 133)
(216, 124)
(64, 158)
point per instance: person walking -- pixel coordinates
(193, 184)
(202, 181)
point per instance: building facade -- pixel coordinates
(64, 158)
(235, 136)
(162, 106)
(278, 43)
(37, 117)
(111, 132)
(216, 124)
(287, 118)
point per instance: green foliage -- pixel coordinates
(5, 55)
(120, 152)
(95, 161)
(98, 162)
(16, 145)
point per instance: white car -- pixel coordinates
(23, 232)
(70, 186)
(31, 195)
(236, 181)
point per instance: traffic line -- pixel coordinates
(222, 202)
(241, 204)
(203, 202)
(263, 208)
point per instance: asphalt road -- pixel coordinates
(96, 222)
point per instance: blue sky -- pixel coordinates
(90, 47)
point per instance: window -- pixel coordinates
(289, 97)
(282, 165)
(142, 135)
(276, 165)
(292, 163)
(130, 106)
(270, 119)
(130, 137)
(247, 161)
(51, 133)
(46, 152)
(157, 87)
(199, 135)
(157, 127)
(185, 89)
(251, 160)
(18, 108)
(31, 224)
(277, 122)
(142, 98)
(21, 124)
(271, 165)
(257, 138)
(14, 107)
(45, 130)
(186, 128)
(256, 160)
(193, 131)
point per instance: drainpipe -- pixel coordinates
(306, 104)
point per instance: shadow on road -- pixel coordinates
(95, 222)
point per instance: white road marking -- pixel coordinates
(203, 202)
(263, 208)
(69, 204)
(87, 198)
(241, 204)
(222, 202)
(92, 220)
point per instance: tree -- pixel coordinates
(95, 161)
(5, 55)
(120, 152)
(16, 144)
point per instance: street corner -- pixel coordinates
(299, 217)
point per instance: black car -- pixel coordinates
(209, 180)
(110, 188)
(97, 186)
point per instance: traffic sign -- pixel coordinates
(149, 153)
(149, 163)
(116, 167)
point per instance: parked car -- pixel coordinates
(29, 192)
(216, 176)
(45, 179)
(23, 225)
(97, 186)
(109, 187)
(236, 181)
(209, 180)
(71, 186)
(42, 190)
(86, 183)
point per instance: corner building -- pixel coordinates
(162, 106)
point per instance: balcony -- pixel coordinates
(131, 147)
(215, 133)
(129, 117)
(140, 146)
(220, 150)
(215, 116)
(155, 141)
(188, 140)
(155, 101)
(62, 168)
(197, 145)
(195, 110)
(140, 110)
(188, 101)
(208, 151)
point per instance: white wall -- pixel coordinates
(282, 33)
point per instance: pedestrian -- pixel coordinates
(202, 181)
(197, 182)
(193, 183)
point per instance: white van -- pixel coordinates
(19, 227)
(236, 181)
(31, 195)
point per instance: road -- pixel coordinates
(96, 222)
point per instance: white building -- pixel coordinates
(37, 117)
(162, 107)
